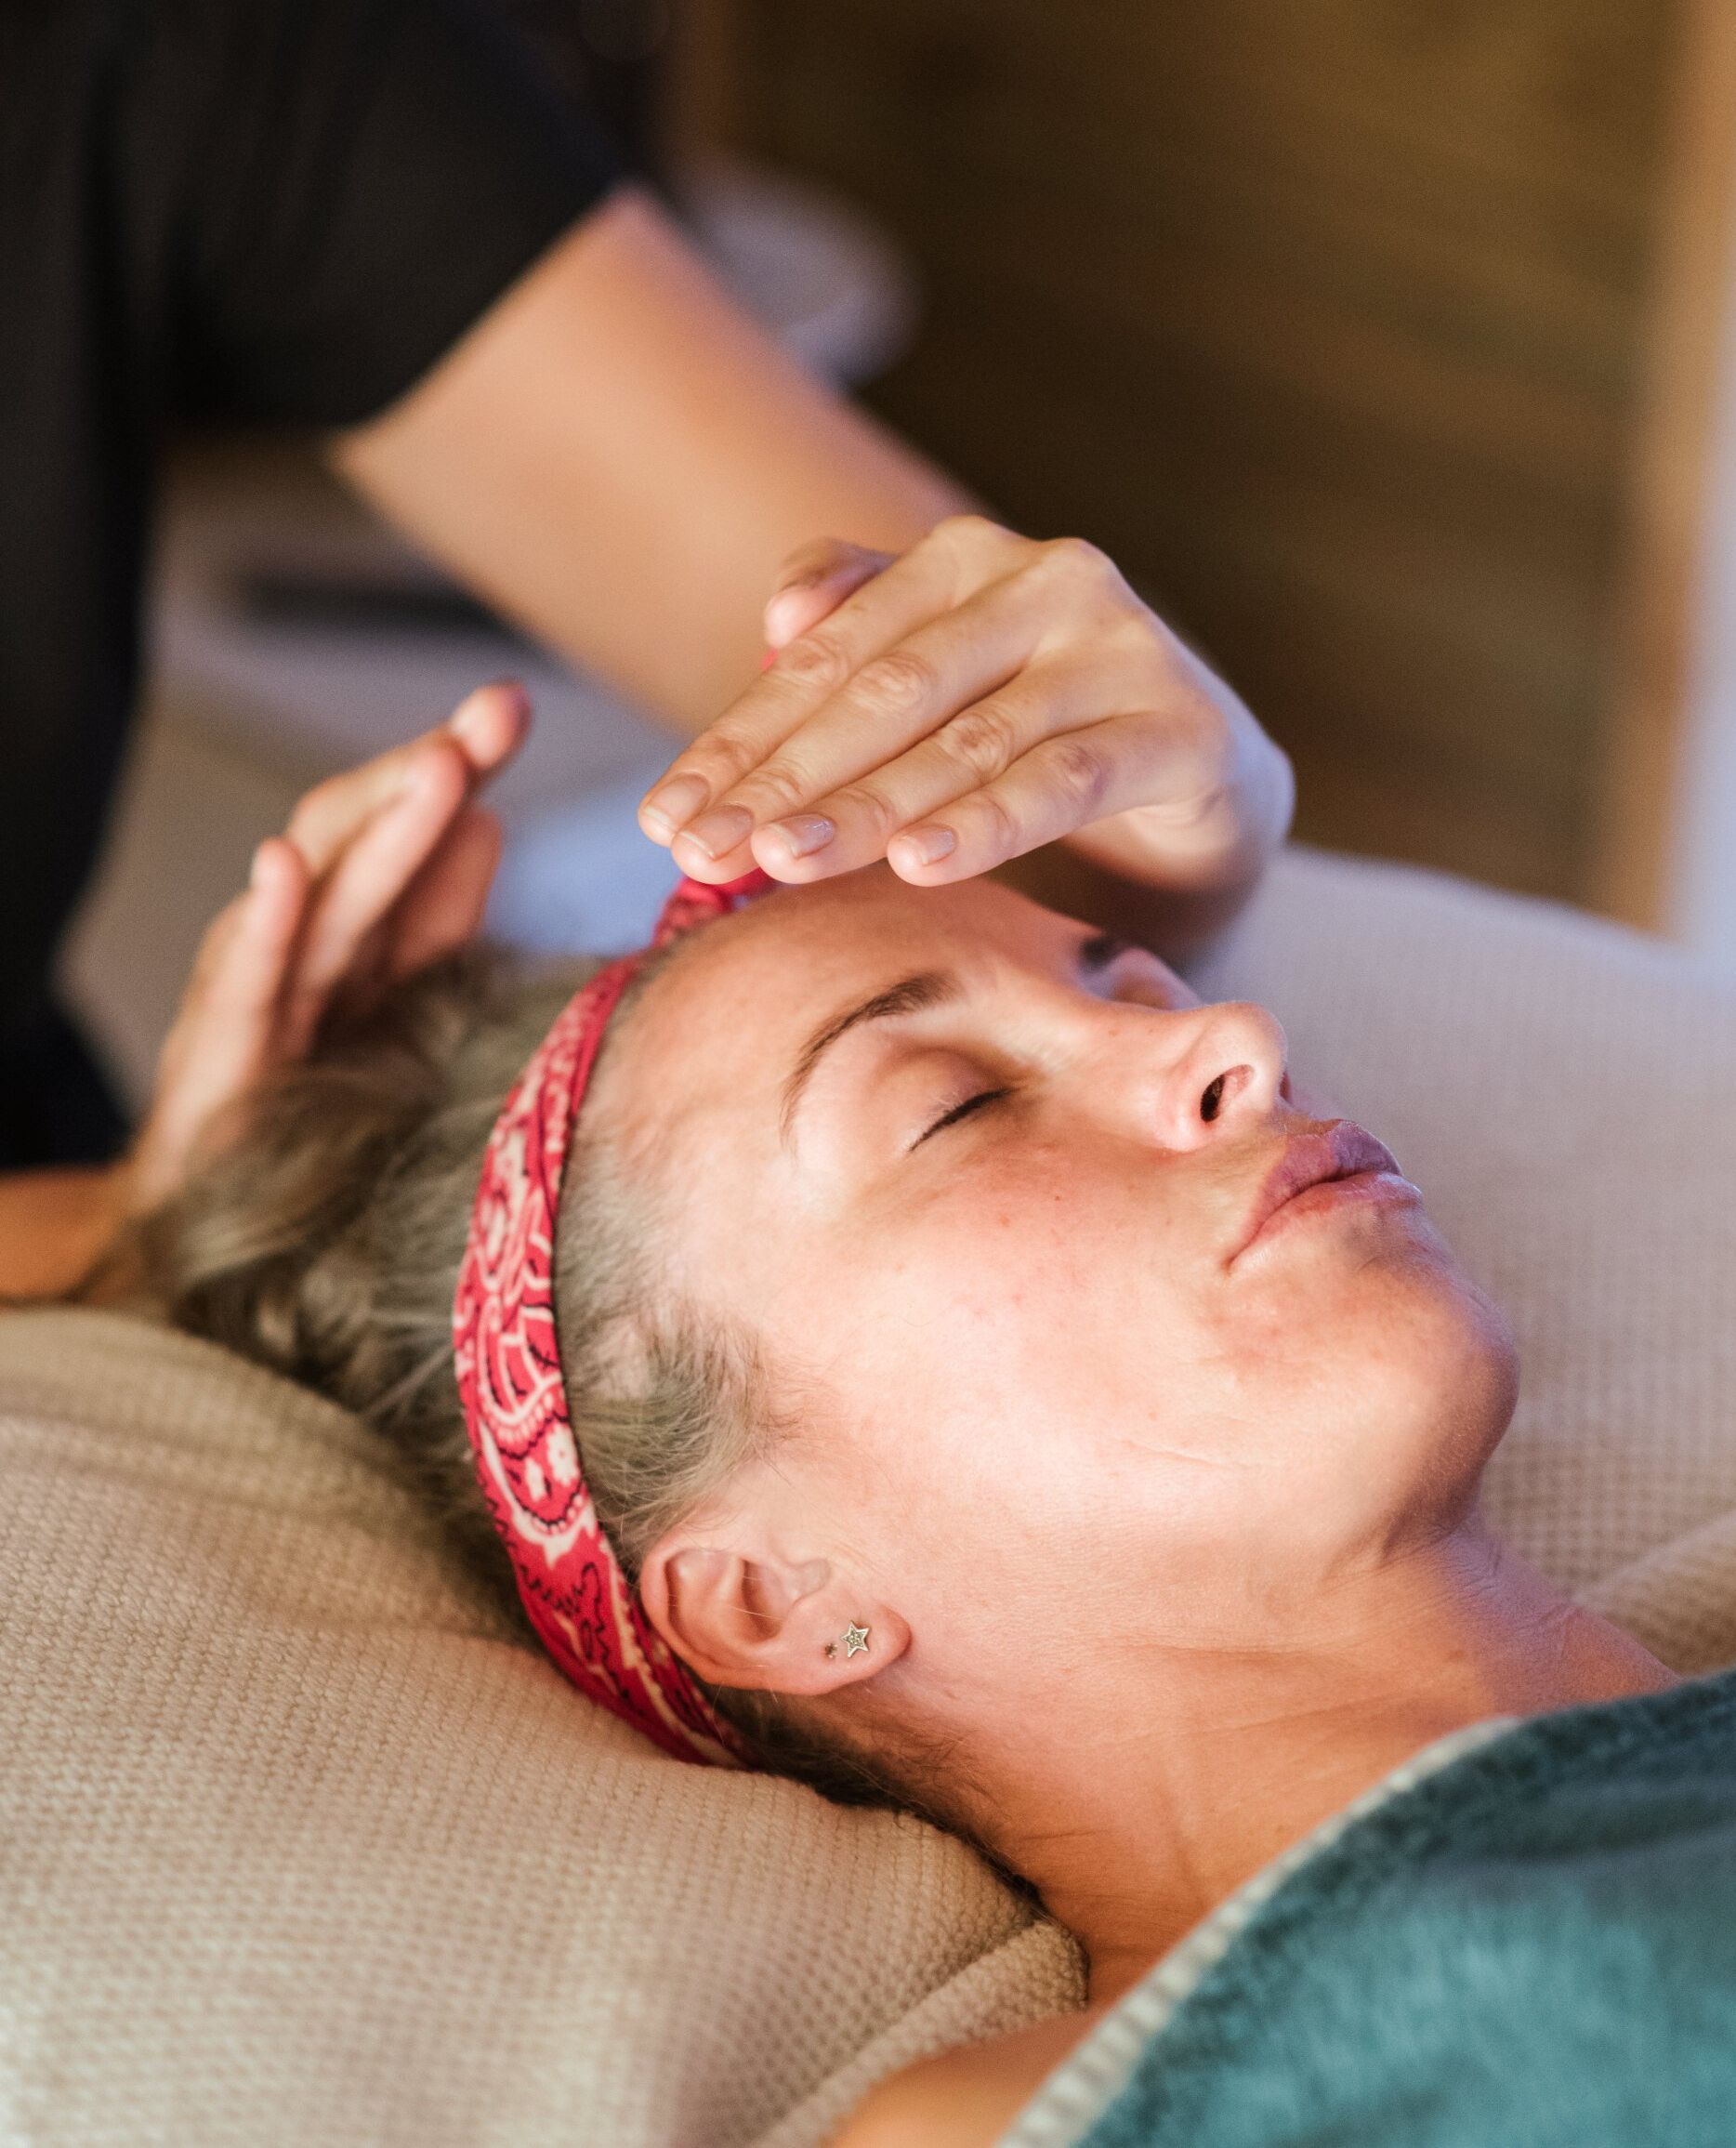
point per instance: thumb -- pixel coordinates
(813, 582)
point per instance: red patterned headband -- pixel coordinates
(508, 1363)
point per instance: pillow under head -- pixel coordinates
(299, 1843)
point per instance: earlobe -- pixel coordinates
(765, 1623)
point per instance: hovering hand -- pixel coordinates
(954, 707)
(381, 871)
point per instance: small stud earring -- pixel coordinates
(853, 1640)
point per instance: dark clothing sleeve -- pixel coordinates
(374, 173)
(260, 210)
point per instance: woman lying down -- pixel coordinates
(899, 1337)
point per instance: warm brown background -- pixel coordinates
(1331, 318)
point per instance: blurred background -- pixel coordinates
(1381, 342)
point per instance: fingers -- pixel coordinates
(893, 703)
(370, 838)
(1063, 783)
(443, 908)
(485, 730)
(258, 926)
(851, 826)
(252, 969)
(333, 812)
(491, 725)
(827, 800)
(814, 582)
(887, 609)
(225, 1034)
(381, 870)
(343, 941)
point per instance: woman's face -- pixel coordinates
(1052, 1270)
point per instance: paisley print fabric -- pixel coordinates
(508, 1366)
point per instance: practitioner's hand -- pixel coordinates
(381, 871)
(955, 707)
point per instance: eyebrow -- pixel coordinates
(929, 988)
(909, 995)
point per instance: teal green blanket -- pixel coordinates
(1534, 1947)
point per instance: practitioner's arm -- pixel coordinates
(381, 871)
(621, 459)
(55, 1226)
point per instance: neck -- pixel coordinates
(1229, 1757)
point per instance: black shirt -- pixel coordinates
(271, 210)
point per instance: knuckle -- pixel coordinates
(982, 739)
(864, 808)
(772, 791)
(966, 529)
(997, 827)
(817, 661)
(1077, 560)
(898, 683)
(719, 758)
(1137, 638)
(1081, 776)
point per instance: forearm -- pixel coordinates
(620, 459)
(55, 1226)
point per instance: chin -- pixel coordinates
(1391, 1343)
(1439, 1374)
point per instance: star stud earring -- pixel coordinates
(853, 1642)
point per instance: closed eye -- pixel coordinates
(961, 1111)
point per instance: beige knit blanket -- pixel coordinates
(297, 1846)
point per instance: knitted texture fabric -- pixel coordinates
(299, 1844)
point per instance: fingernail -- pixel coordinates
(467, 718)
(803, 833)
(717, 833)
(675, 803)
(924, 846)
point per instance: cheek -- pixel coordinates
(1022, 1259)
(1034, 1380)
(1026, 1308)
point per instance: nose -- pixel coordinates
(1219, 1070)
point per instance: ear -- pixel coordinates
(739, 1610)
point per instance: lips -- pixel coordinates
(1318, 1157)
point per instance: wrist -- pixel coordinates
(56, 1225)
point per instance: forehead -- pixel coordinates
(717, 1030)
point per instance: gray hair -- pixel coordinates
(326, 1244)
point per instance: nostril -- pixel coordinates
(1216, 1094)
